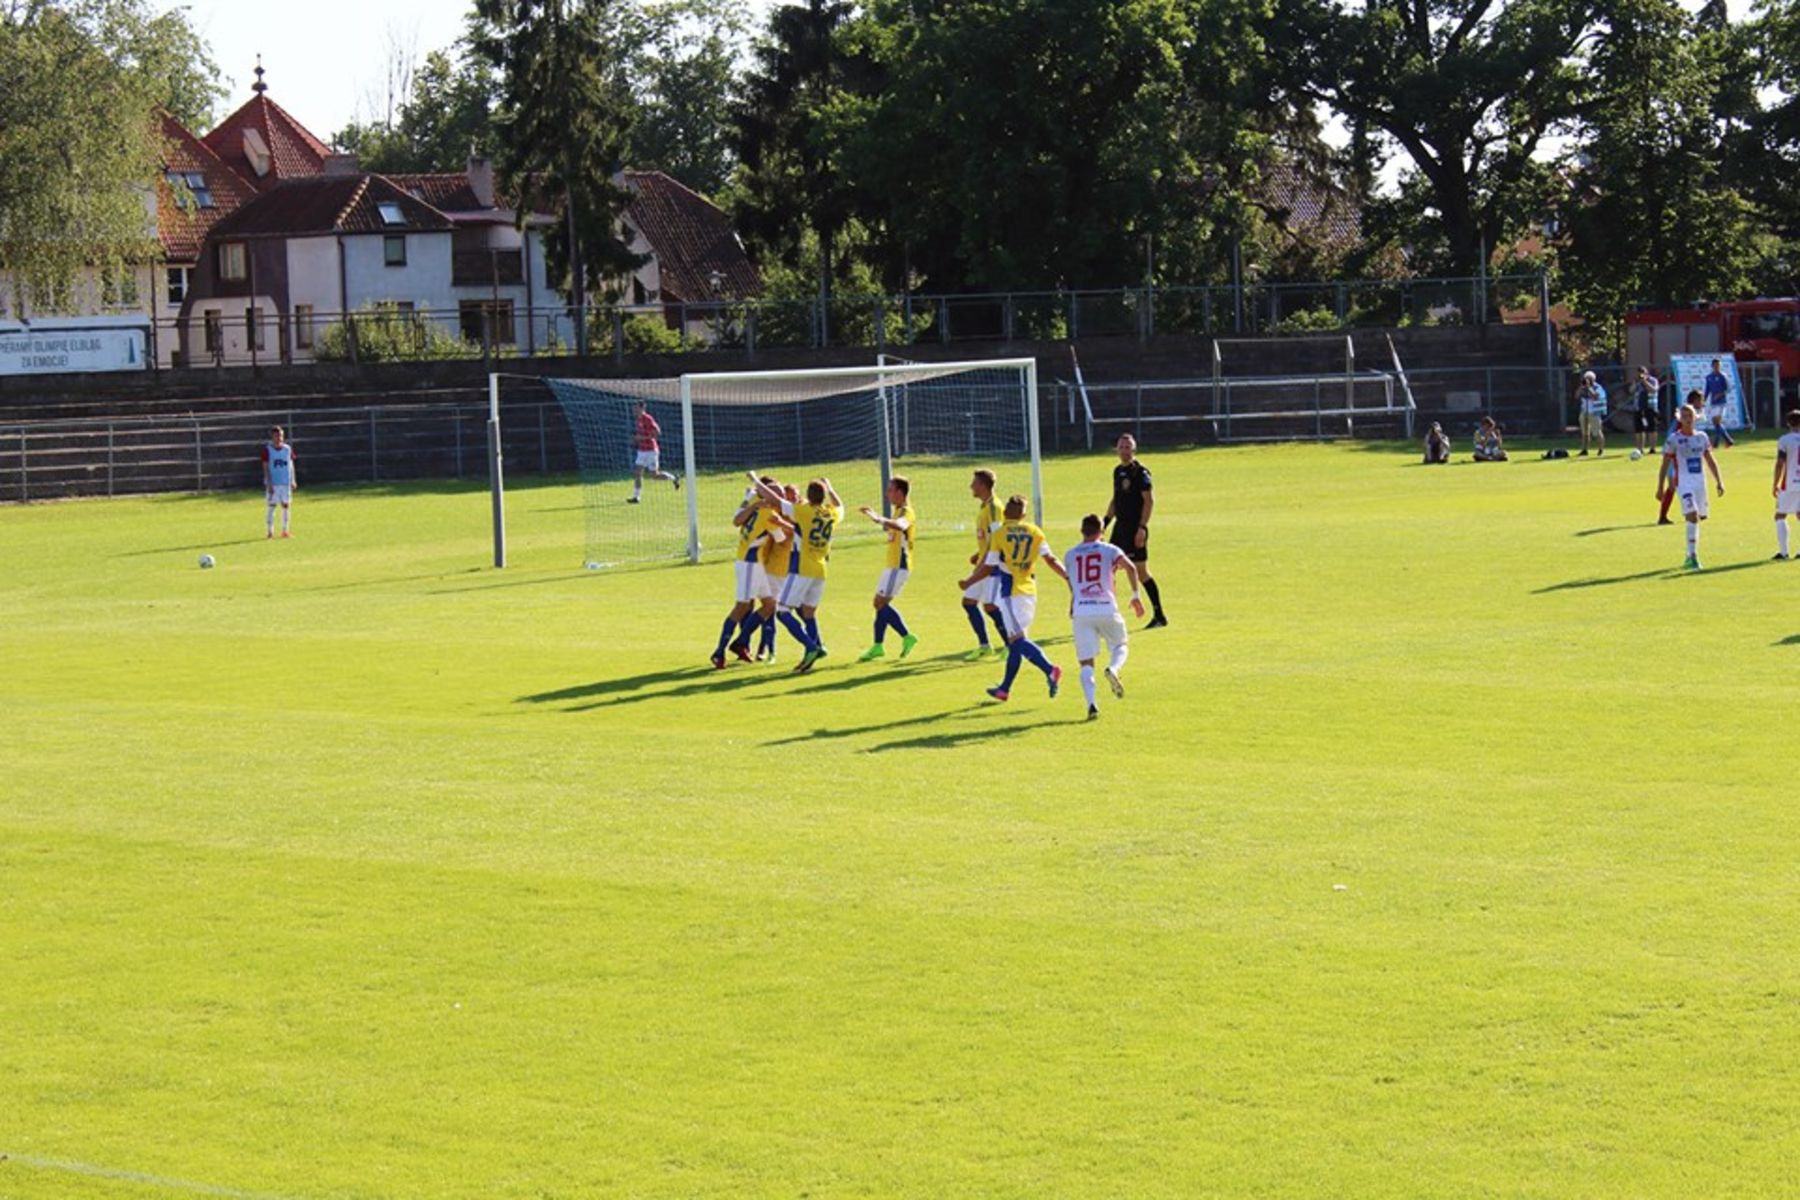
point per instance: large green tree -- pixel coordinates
(683, 59)
(448, 113)
(562, 125)
(1472, 91)
(80, 85)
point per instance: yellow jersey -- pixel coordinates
(1020, 544)
(987, 519)
(777, 553)
(760, 525)
(900, 541)
(814, 524)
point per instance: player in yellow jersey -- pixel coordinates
(984, 593)
(760, 525)
(900, 530)
(815, 520)
(1015, 550)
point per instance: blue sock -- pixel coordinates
(792, 624)
(725, 636)
(1013, 657)
(812, 631)
(894, 621)
(748, 629)
(881, 624)
(768, 631)
(999, 625)
(973, 611)
(1029, 650)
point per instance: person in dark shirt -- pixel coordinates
(1129, 515)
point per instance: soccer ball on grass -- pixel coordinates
(206, 562)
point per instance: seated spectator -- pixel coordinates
(1490, 446)
(1437, 445)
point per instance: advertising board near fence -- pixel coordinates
(43, 350)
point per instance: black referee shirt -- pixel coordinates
(1131, 483)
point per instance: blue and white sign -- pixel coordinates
(43, 350)
(1691, 372)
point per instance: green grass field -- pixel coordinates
(1439, 849)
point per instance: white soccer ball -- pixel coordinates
(206, 562)
(1636, 454)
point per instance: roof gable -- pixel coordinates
(264, 144)
(692, 238)
(182, 224)
(331, 204)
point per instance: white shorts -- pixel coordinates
(752, 581)
(1787, 502)
(802, 591)
(650, 460)
(983, 591)
(281, 493)
(768, 586)
(1016, 613)
(1715, 413)
(1090, 628)
(1693, 501)
(892, 582)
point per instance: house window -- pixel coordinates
(119, 291)
(393, 250)
(215, 332)
(178, 284)
(195, 182)
(390, 213)
(253, 326)
(494, 317)
(303, 326)
(234, 262)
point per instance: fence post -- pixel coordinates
(352, 340)
(199, 466)
(456, 425)
(24, 467)
(1074, 316)
(109, 458)
(944, 319)
(1008, 317)
(1138, 423)
(374, 463)
(618, 330)
(880, 322)
(543, 444)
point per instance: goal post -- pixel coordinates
(857, 426)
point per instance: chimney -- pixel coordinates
(481, 180)
(339, 162)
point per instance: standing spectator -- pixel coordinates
(1718, 395)
(1645, 394)
(1437, 444)
(1129, 513)
(1591, 396)
(1489, 445)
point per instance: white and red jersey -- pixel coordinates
(1689, 451)
(1090, 566)
(647, 431)
(1789, 444)
(278, 461)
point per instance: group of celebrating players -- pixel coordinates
(784, 550)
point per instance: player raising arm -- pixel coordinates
(1017, 548)
(900, 529)
(1787, 481)
(1684, 454)
(1094, 607)
(758, 524)
(814, 520)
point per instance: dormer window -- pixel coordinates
(390, 213)
(195, 183)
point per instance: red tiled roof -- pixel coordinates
(293, 152)
(692, 239)
(182, 227)
(446, 193)
(1308, 206)
(330, 204)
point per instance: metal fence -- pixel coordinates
(226, 332)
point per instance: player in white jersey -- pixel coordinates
(278, 481)
(1094, 607)
(1684, 454)
(1787, 481)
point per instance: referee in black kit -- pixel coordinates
(1129, 516)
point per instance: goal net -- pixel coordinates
(932, 422)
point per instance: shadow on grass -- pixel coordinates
(180, 549)
(1792, 639)
(949, 714)
(1661, 573)
(607, 687)
(1751, 565)
(354, 584)
(1614, 529)
(956, 737)
(878, 673)
(561, 577)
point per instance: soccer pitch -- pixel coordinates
(1439, 848)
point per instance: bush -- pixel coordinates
(1310, 320)
(384, 333)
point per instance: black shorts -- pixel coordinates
(1644, 420)
(1125, 537)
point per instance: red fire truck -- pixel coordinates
(1752, 330)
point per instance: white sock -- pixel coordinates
(286, 518)
(1781, 533)
(1693, 538)
(1117, 662)
(1087, 684)
(269, 518)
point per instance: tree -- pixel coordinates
(80, 83)
(684, 56)
(1471, 90)
(1651, 217)
(562, 123)
(446, 116)
(790, 182)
